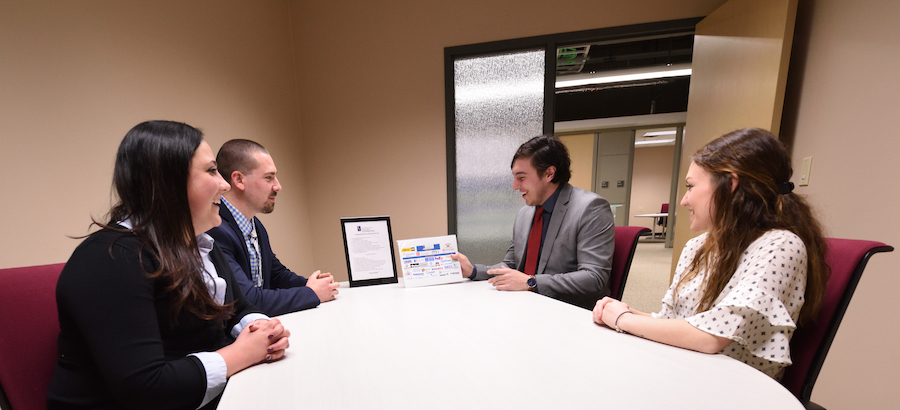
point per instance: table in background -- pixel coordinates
(467, 345)
(656, 217)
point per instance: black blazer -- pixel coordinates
(283, 291)
(119, 344)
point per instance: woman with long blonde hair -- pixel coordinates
(742, 287)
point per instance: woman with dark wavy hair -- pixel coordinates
(149, 313)
(742, 287)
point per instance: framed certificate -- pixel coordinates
(368, 245)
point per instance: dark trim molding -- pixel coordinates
(450, 115)
(549, 87)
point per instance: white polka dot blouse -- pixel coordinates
(760, 305)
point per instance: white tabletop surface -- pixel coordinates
(467, 345)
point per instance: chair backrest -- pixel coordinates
(626, 243)
(30, 326)
(664, 220)
(810, 344)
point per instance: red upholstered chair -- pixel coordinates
(30, 328)
(626, 243)
(811, 342)
(664, 221)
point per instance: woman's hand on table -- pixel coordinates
(607, 310)
(260, 341)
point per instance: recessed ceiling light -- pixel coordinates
(658, 133)
(680, 70)
(654, 143)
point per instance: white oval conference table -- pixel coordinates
(467, 345)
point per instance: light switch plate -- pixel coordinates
(804, 171)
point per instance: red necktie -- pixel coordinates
(534, 242)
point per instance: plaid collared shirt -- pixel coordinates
(248, 229)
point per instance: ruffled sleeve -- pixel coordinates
(760, 306)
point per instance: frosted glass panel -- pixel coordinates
(499, 104)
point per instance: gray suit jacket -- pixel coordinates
(577, 254)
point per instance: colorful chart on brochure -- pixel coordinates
(426, 261)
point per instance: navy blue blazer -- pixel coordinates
(282, 291)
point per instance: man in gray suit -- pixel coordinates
(565, 250)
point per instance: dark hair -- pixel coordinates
(150, 179)
(546, 151)
(236, 155)
(762, 201)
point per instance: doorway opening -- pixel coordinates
(634, 166)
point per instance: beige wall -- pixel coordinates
(651, 182)
(75, 76)
(581, 153)
(842, 96)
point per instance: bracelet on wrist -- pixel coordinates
(618, 329)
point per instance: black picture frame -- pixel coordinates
(389, 244)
